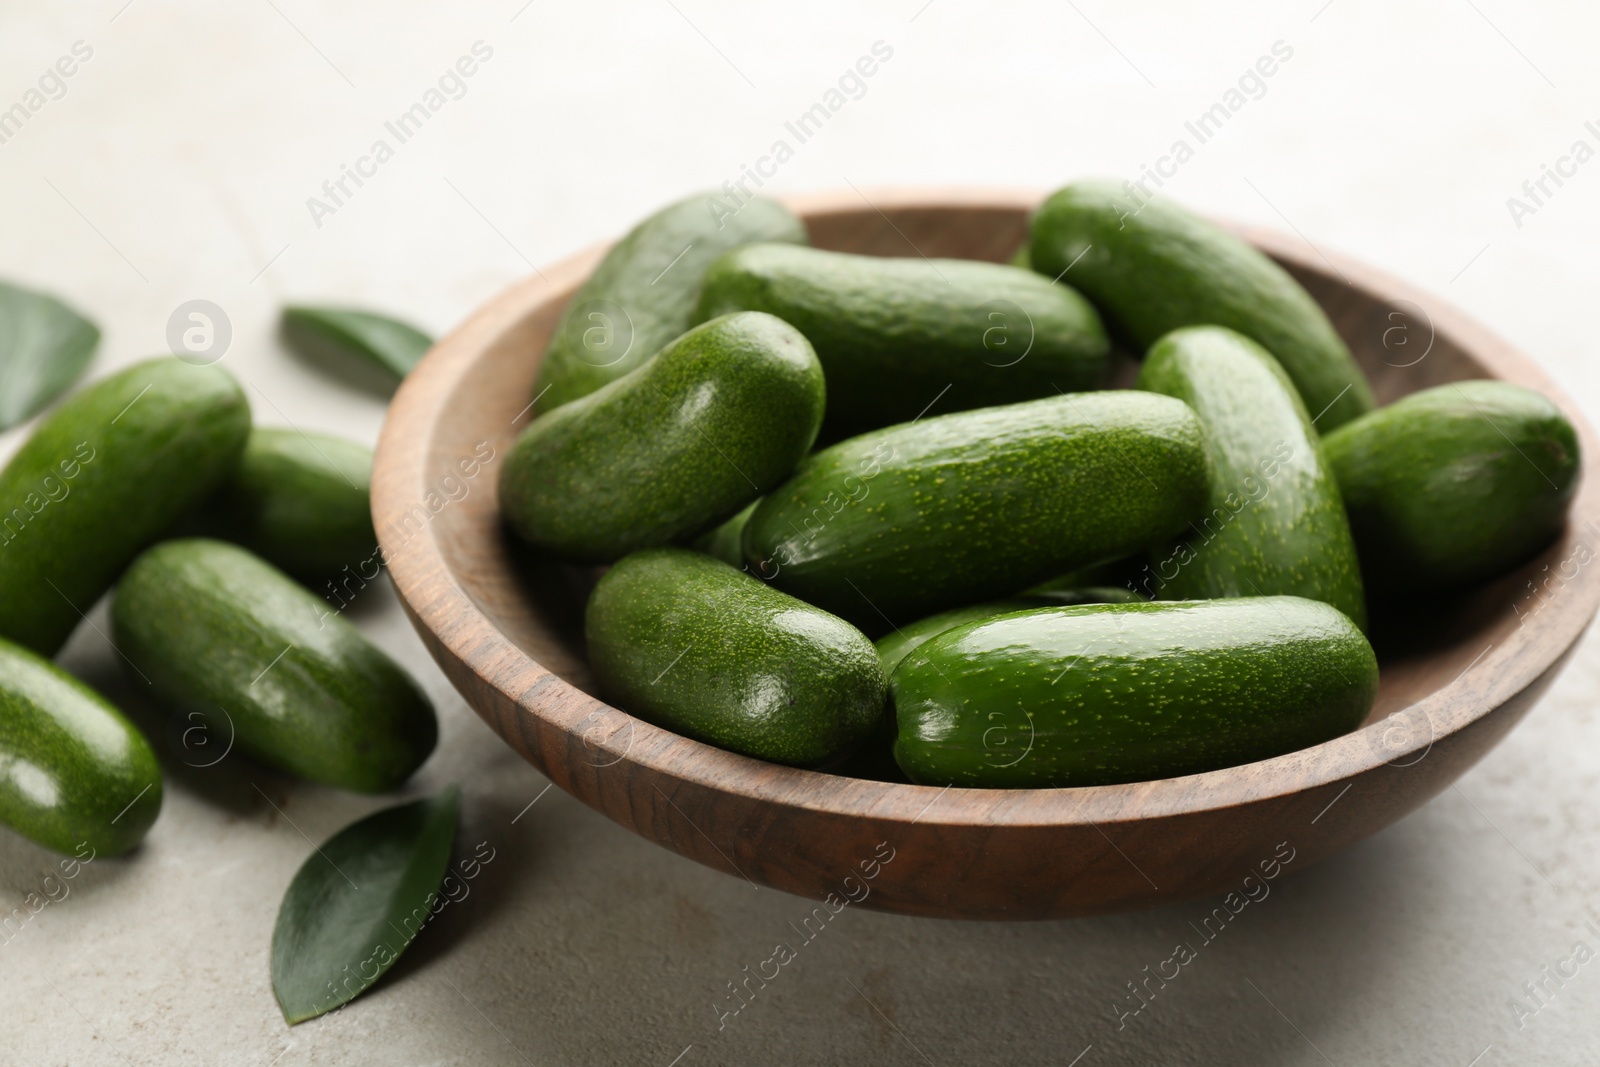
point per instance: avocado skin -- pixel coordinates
(300, 501)
(693, 645)
(900, 523)
(898, 336)
(1109, 693)
(209, 625)
(1275, 525)
(655, 291)
(897, 645)
(1455, 485)
(721, 416)
(77, 772)
(1153, 270)
(147, 445)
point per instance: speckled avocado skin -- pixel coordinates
(1153, 269)
(643, 293)
(694, 645)
(301, 501)
(211, 626)
(1111, 693)
(104, 476)
(1275, 525)
(897, 524)
(721, 416)
(78, 777)
(1455, 485)
(898, 337)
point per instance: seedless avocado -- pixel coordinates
(74, 773)
(1152, 267)
(1110, 693)
(1455, 485)
(643, 293)
(721, 416)
(900, 523)
(214, 630)
(103, 476)
(1275, 524)
(897, 337)
(694, 645)
(301, 501)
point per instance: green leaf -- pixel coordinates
(357, 902)
(345, 335)
(44, 346)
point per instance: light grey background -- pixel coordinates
(177, 166)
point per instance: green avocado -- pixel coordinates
(694, 645)
(897, 645)
(74, 774)
(900, 523)
(900, 337)
(719, 417)
(301, 501)
(1108, 693)
(105, 475)
(217, 632)
(1152, 267)
(643, 293)
(1455, 485)
(1275, 525)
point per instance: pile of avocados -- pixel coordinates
(1069, 584)
(154, 481)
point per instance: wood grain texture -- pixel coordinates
(506, 628)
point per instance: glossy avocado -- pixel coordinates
(894, 525)
(643, 293)
(75, 775)
(900, 643)
(105, 475)
(1455, 485)
(901, 337)
(1108, 693)
(691, 644)
(1153, 267)
(1275, 525)
(721, 416)
(216, 631)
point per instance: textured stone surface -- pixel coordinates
(177, 166)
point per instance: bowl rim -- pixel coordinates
(454, 626)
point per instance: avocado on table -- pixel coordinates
(105, 475)
(218, 633)
(76, 774)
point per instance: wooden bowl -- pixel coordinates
(505, 626)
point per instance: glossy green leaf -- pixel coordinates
(44, 346)
(346, 334)
(357, 902)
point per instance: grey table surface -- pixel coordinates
(180, 161)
